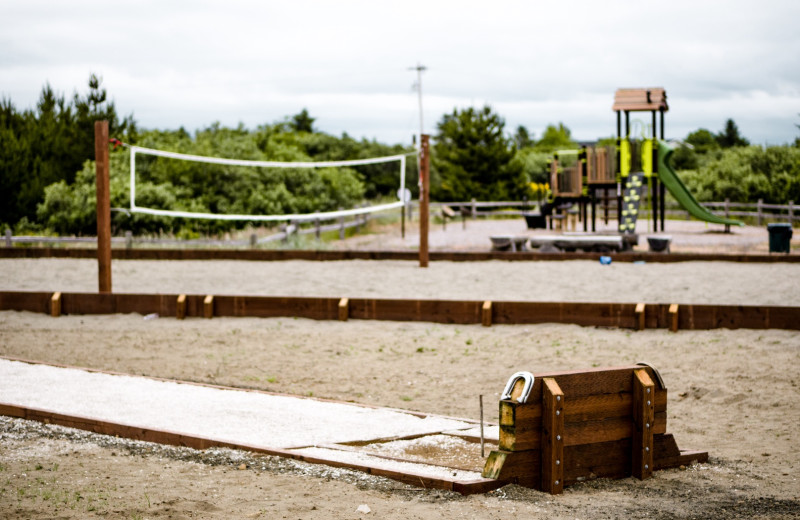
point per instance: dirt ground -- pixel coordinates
(733, 393)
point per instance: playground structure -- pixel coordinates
(565, 427)
(623, 169)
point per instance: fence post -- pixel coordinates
(128, 240)
(341, 226)
(727, 207)
(791, 213)
(758, 210)
(317, 229)
(474, 209)
(8, 238)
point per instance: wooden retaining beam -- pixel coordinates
(621, 315)
(274, 255)
(576, 425)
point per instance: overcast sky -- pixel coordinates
(189, 64)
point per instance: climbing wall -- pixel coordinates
(631, 197)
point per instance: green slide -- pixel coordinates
(681, 193)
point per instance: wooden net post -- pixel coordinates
(103, 206)
(424, 195)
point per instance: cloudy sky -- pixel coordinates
(189, 64)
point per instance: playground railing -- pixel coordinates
(755, 212)
(759, 212)
(316, 227)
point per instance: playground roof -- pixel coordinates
(640, 99)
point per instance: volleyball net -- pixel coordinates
(297, 217)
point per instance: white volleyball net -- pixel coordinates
(296, 217)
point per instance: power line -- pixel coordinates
(419, 68)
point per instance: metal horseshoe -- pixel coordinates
(527, 377)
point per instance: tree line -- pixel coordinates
(47, 168)
(47, 172)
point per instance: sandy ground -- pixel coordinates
(732, 393)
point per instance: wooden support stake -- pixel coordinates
(643, 419)
(486, 314)
(673, 317)
(180, 307)
(640, 316)
(208, 306)
(344, 309)
(55, 305)
(552, 437)
(103, 206)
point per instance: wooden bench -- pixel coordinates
(509, 243)
(584, 424)
(601, 243)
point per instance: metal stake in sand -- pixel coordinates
(480, 399)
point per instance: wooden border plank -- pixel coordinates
(643, 419)
(325, 256)
(552, 437)
(624, 315)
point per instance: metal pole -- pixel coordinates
(419, 68)
(480, 398)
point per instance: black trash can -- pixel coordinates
(535, 221)
(780, 236)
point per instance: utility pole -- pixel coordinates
(419, 68)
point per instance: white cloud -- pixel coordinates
(192, 63)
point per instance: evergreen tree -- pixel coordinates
(49, 144)
(730, 136)
(523, 138)
(472, 158)
(303, 122)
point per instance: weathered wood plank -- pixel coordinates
(643, 411)
(55, 305)
(486, 314)
(208, 306)
(180, 307)
(552, 437)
